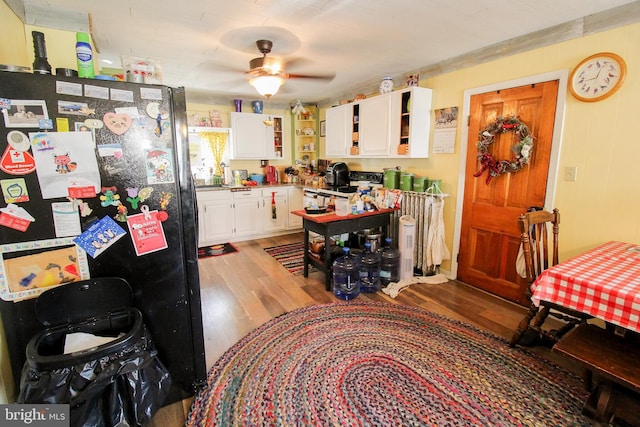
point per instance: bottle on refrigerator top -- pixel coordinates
(389, 263)
(84, 56)
(369, 270)
(346, 276)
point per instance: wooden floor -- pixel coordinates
(243, 290)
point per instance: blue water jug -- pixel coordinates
(369, 270)
(346, 276)
(389, 264)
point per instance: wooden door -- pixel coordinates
(489, 239)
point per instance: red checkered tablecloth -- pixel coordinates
(603, 282)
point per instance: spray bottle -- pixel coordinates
(84, 55)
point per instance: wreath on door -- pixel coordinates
(521, 149)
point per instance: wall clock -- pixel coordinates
(597, 77)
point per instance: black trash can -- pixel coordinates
(121, 382)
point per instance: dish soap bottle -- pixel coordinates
(84, 55)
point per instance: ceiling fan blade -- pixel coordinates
(326, 77)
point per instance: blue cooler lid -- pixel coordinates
(82, 300)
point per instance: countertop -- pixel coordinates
(244, 187)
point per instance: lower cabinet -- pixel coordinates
(225, 215)
(215, 217)
(295, 195)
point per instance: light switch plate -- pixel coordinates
(570, 173)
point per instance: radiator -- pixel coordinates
(420, 206)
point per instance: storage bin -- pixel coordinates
(343, 207)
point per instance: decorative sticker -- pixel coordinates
(121, 95)
(150, 93)
(13, 216)
(65, 219)
(75, 108)
(100, 236)
(16, 162)
(29, 268)
(68, 88)
(23, 113)
(81, 188)
(15, 190)
(159, 166)
(117, 123)
(146, 232)
(62, 159)
(99, 92)
(62, 124)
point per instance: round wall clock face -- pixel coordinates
(597, 76)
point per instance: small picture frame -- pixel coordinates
(25, 113)
(323, 128)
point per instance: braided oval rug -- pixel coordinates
(378, 364)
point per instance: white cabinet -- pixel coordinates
(374, 120)
(411, 122)
(274, 198)
(215, 217)
(338, 131)
(295, 204)
(396, 124)
(257, 136)
(247, 212)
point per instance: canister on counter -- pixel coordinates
(434, 186)
(391, 179)
(420, 183)
(406, 181)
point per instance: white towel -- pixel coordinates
(394, 288)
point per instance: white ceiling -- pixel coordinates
(206, 45)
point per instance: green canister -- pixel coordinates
(391, 179)
(406, 181)
(419, 183)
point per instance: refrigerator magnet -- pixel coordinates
(117, 123)
(146, 231)
(15, 162)
(14, 190)
(15, 217)
(99, 236)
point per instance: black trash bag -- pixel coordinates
(125, 388)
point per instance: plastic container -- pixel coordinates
(346, 276)
(84, 56)
(391, 179)
(406, 181)
(389, 264)
(343, 207)
(369, 270)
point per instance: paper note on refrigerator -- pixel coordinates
(62, 159)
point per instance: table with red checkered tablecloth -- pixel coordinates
(603, 282)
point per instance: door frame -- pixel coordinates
(554, 162)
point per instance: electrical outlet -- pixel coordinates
(570, 173)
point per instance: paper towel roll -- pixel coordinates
(406, 243)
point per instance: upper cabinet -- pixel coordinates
(338, 131)
(395, 124)
(411, 122)
(257, 136)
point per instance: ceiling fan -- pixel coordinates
(267, 73)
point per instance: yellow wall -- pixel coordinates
(13, 48)
(599, 138)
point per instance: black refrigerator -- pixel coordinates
(96, 183)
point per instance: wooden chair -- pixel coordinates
(539, 254)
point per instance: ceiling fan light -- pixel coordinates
(267, 85)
